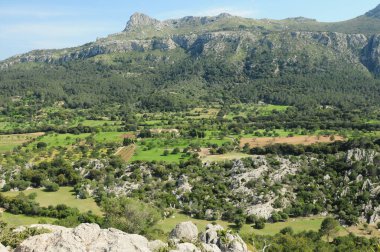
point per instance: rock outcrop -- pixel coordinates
(3, 248)
(85, 238)
(215, 238)
(91, 238)
(185, 231)
(139, 20)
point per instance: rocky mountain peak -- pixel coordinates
(139, 20)
(375, 13)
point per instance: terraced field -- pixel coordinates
(126, 153)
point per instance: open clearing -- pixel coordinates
(8, 142)
(304, 140)
(126, 153)
(22, 220)
(65, 196)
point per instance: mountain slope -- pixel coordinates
(217, 58)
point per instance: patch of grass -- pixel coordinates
(153, 148)
(64, 195)
(22, 220)
(156, 154)
(298, 225)
(224, 157)
(61, 140)
(373, 121)
(110, 137)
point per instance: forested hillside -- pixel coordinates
(177, 64)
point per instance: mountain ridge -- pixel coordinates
(141, 27)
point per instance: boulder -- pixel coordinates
(3, 248)
(51, 228)
(211, 234)
(185, 231)
(215, 239)
(157, 245)
(232, 243)
(85, 238)
(210, 248)
(186, 247)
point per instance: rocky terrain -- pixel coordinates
(91, 238)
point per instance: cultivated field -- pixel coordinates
(304, 140)
(8, 142)
(126, 153)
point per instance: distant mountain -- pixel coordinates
(193, 56)
(375, 13)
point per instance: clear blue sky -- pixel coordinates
(42, 24)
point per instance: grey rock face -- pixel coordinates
(139, 20)
(185, 231)
(210, 247)
(361, 155)
(157, 245)
(85, 238)
(216, 239)
(186, 247)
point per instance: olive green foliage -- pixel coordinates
(129, 215)
(13, 239)
(329, 227)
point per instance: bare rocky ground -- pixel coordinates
(185, 237)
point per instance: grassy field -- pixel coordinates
(62, 140)
(153, 148)
(64, 195)
(156, 154)
(9, 142)
(22, 220)
(224, 157)
(110, 137)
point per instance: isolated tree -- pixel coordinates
(329, 227)
(128, 141)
